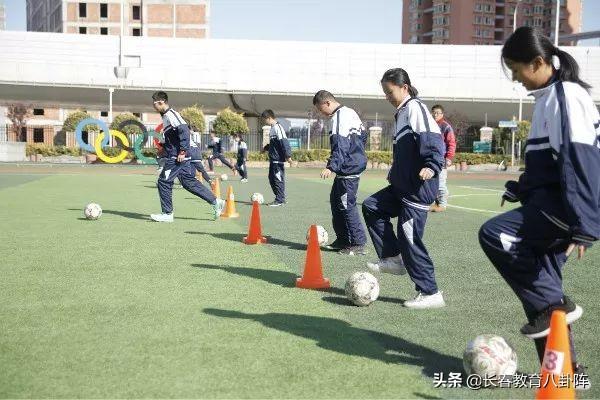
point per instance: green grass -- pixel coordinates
(123, 307)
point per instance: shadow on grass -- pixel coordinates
(134, 215)
(286, 279)
(340, 336)
(237, 237)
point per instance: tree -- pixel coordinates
(18, 114)
(73, 120)
(229, 122)
(523, 129)
(127, 129)
(459, 121)
(194, 117)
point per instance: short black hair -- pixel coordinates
(322, 96)
(160, 96)
(438, 107)
(267, 114)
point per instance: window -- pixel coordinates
(104, 31)
(103, 10)
(38, 135)
(82, 30)
(104, 113)
(38, 111)
(137, 13)
(137, 32)
(139, 115)
(82, 10)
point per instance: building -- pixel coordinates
(166, 18)
(484, 22)
(152, 18)
(2, 16)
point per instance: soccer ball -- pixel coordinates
(322, 235)
(490, 356)
(257, 197)
(92, 211)
(362, 288)
(224, 177)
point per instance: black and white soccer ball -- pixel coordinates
(490, 356)
(362, 288)
(258, 197)
(322, 235)
(92, 211)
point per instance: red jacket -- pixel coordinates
(449, 138)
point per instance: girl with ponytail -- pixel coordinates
(559, 190)
(418, 157)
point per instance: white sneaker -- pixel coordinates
(422, 301)
(218, 208)
(162, 217)
(244, 180)
(388, 265)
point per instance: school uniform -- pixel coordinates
(417, 144)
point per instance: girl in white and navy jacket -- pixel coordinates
(559, 190)
(418, 159)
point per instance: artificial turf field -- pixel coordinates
(124, 307)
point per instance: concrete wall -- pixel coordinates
(10, 151)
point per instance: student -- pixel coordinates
(348, 160)
(418, 156)
(279, 152)
(242, 157)
(197, 161)
(441, 202)
(559, 190)
(217, 149)
(177, 162)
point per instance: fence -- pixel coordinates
(254, 138)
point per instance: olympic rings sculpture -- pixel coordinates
(102, 140)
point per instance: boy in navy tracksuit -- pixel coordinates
(217, 149)
(242, 157)
(418, 157)
(559, 190)
(177, 163)
(279, 152)
(348, 160)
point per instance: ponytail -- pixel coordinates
(399, 77)
(526, 43)
(568, 71)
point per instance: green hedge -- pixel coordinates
(50, 151)
(476, 158)
(376, 157)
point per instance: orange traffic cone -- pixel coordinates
(557, 370)
(230, 205)
(313, 268)
(254, 229)
(216, 188)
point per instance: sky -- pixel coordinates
(372, 21)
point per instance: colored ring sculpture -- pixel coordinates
(79, 131)
(111, 160)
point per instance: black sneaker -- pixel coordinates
(540, 326)
(581, 379)
(353, 250)
(275, 204)
(336, 245)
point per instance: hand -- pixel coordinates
(289, 160)
(180, 157)
(326, 173)
(580, 250)
(426, 174)
(448, 162)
